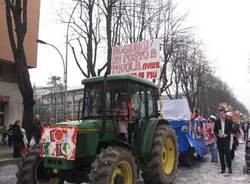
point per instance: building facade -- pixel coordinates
(11, 102)
(52, 104)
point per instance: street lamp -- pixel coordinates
(66, 55)
(64, 73)
(65, 63)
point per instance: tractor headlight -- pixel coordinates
(184, 128)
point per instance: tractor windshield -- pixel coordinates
(115, 93)
(92, 104)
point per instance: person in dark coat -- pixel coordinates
(236, 132)
(17, 139)
(37, 129)
(223, 130)
(10, 135)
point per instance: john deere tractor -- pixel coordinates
(118, 138)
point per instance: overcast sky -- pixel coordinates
(223, 27)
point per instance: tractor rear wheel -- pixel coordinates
(160, 165)
(31, 170)
(114, 165)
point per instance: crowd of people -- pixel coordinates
(222, 136)
(16, 136)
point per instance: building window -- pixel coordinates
(78, 97)
(69, 98)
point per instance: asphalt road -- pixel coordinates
(203, 172)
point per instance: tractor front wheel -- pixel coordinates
(31, 170)
(160, 165)
(114, 165)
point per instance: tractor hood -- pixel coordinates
(88, 125)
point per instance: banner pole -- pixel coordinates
(160, 97)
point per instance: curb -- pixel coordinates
(9, 161)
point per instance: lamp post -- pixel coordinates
(64, 69)
(65, 63)
(66, 56)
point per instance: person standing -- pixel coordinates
(37, 129)
(236, 133)
(210, 138)
(52, 121)
(17, 139)
(4, 135)
(223, 130)
(10, 135)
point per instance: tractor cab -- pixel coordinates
(124, 102)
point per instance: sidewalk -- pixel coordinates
(6, 155)
(5, 151)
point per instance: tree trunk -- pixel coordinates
(16, 14)
(28, 118)
(24, 84)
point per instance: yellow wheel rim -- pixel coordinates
(168, 156)
(123, 170)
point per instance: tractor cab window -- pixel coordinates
(138, 101)
(120, 105)
(152, 102)
(92, 101)
(116, 97)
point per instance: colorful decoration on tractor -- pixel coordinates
(59, 142)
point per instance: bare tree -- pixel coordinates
(102, 24)
(56, 87)
(215, 92)
(86, 35)
(193, 68)
(16, 16)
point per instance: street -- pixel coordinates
(209, 172)
(202, 172)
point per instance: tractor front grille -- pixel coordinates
(57, 163)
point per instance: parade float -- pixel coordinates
(190, 134)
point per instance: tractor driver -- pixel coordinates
(123, 112)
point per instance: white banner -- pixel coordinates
(177, 109)
(141, 59)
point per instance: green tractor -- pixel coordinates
(118, 138)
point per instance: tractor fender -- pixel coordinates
(149, 134)
(106, 143)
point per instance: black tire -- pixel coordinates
(30, 169)
(153, 167)
(199, 157)
(190, 157)
(111, 159)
